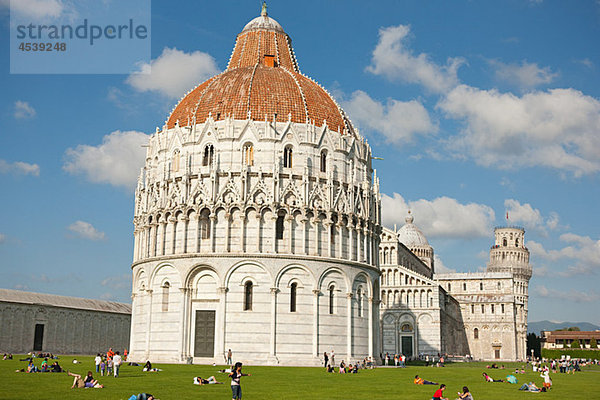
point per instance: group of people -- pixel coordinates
(8, 356)
(44, 367)
(439, 393)
(110, 362)
(329, 363)
(398, 360)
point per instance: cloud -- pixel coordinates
(399, 122)
(107, 296)
(18, 286)
(392, 59)
(2, 238)
(117, 161)
(23, 110)
(573, 296)
(36, 9)
(530, 217)
(586, 62)
(556, 129)
(439, 266)
(174, 72)
(86, 230)
(523, 75)
(118, 282)
(442, 217)
(19, 168)
(582, 251)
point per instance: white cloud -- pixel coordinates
(2, 238)
(530, 217)
(23, 110)
(586, 62)
(36, 9)
(557, 128)
(19, 168)
(440, 267)
(574, 296)
(117, 161)
(441, 217)
(582, 251)
(174, 72)
(118, 282)
(398, 121)
(86, 230)
(392, 59)
(107, 296)
(523, 75)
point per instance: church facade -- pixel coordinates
(258, 229)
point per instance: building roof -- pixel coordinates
(551, 336)
(18, 296)
(411, 236)
(262, 81)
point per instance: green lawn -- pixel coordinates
(175, 382)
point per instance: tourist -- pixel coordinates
(465, 395)
(530, 387)
(229, 357)
(332, 357)
(117, 361)
(326, 358)
(125, 355)
(421, 381)
(342, 367)
(98, 360)
(210, 381)
(330, 368)
(547, 381)
(31, 367)
(438, 395)
(87, 382)
(490, 379)
(109, 365)
(147, 366)
(142, 396)
(236, 387)
(56, 367)
(102, 366)
(402, 361)
(44, 366)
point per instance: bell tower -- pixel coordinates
(509, 254)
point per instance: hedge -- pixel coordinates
(574, 353)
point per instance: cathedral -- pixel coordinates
(257, 228)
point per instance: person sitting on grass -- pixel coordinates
(142, 396)
(465, 395)
(438, 395)
(147, 366)
(87, 382)
(330, 368)
(547, 381)
(342, 367)
(210, 381)
(421, 381)
(56, 367)
(490, 379)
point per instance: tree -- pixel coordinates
(593, 344)
(534, 342)
(575, 344)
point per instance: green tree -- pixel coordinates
(575, 344)
(593, 344)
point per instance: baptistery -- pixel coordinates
(257, 220)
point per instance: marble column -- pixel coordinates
(290, 223)
(274, 222)
(273, 332)
(184, 245)
(315, 342)
(305, 224)
(184, 322)
(198, 232)
(316, 222)
(340, 228)
(148, 322)
(222, 293)
(370, 326)
(227, 232)
(171, 246)
(258, 234)
(242, 232)
(213, 230)
(329, 224)
(349, 325)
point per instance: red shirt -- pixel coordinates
(438, 394)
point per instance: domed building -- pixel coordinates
(257, 220)
(410, 236)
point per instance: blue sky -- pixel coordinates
(478, 108)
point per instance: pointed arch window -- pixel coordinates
(248, 286)
(279, 227)
(331, 299)
(293, 292)
(165, 296)
(287, 157)
(248, 154)
(475, 333)
(208, 155)
(324, 161)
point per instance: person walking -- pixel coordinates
(236, 387)
(326, 358)
(117, 361)
(98, 360)
(332, 357)
(229, 357)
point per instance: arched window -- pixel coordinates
(359, 300)
(249, 154)
(472, 308)
(499, 285)
(205, 226)
(465, 287)
(504, 242)
(248, 296)
(287, 157)
(502, 308)
(492, 309)
(517, 242)
(480, 285)
(293, 290)
(175, 161)
(483, 308)
(209, 153)
(449, 287)
(475, 333)
(165, 296)
(331, 299)
(406, 328)
(279, 227)
(324, 161)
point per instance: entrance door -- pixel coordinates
(204, 334)
(38, 339)
(407, 346)
(497, 354)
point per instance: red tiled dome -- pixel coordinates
(261, 81)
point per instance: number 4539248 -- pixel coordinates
(35, 46)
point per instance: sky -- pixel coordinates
(478, 109)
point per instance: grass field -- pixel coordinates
(175, 382)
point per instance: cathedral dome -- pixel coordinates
(410, 236)
(261, 82)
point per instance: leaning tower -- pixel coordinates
(509, 254)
